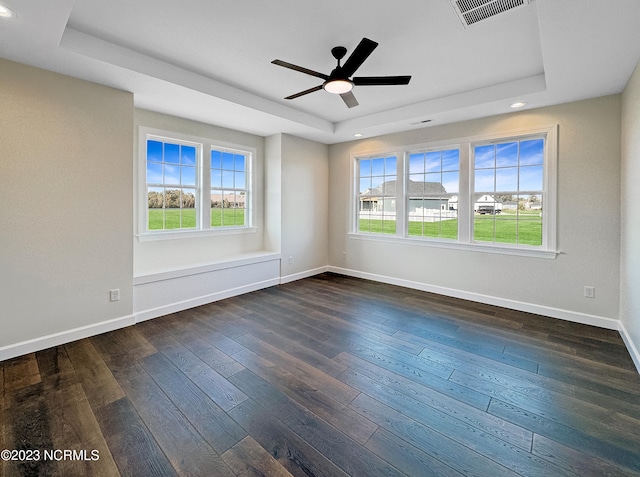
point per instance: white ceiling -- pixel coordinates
(210, 60)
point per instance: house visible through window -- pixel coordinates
(377, 196)
(433, 193)
(508, 192)
(492, 192)
(184, 192)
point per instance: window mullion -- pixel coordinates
(401, 196)
(465, 197)
(204, 168)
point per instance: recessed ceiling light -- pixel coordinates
(517, 105)
(5, 12)
(357, 135)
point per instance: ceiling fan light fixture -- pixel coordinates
(5, 12)
(338, 86)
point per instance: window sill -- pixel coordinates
(189, 234)
(472, 247)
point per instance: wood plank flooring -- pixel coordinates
(328, 376)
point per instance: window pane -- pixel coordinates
(485, 180)
(433, 162)
(484, 156)
(365, 167)
(377, 183)
(227, 161)
(501, 216)
(507, 154)
(416, 163)
(390, 165)
(432, 183)
(172, 153)
(365, 185)
(377, 167)
(451, 181)
(451, 160)
(171, 174)
(506, 229)
(188, 155)
(229, 189)
(154, 173)
(155, 210)
(216, 178)
(431, 211)
(417, 178)
(507, 179)
(239, 162)
(216, 159)
(154, 151)
(240, 180)
(188, 176)
(532, 152)
(227, 179)
(531, 178)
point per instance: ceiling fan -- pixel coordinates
(338, 81)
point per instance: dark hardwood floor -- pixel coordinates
(328, 376)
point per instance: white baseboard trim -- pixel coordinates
(631, 347)
(56, 339)
(305, 274)
(145, 315)
(567, 315)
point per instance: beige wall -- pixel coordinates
(304, 197)
(630, 217)
(588, 220)
(65, 190)
(296, 196)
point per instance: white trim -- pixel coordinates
(466, 190)
(186, 233)
(202, 300)
(631, 347)
(63, 337)
(305, 274)
(568, 315)
(239, 261)
(203, 186)
(521, 250)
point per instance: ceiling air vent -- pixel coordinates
(474, 11)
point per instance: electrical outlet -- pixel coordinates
(114, 295)
(590, 292)
(290, 260)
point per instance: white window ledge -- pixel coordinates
(229, 262)
(473, 247)
(183, 234)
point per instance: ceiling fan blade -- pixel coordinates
(361, 53)
(380, 80)
(300, 69)
(302, 93)
(349, 99)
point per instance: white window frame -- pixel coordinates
(203, 186)
(398, 197)
(465, 241)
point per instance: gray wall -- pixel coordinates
(630, 217)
